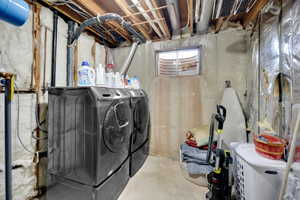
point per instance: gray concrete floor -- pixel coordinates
(161, 179)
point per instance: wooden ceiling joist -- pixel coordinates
(160, 15)
(95, 9)
(124, 7)
(253, 13)
(78, 19)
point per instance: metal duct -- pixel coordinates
(205, 16)
(128, 61)
(174, 16)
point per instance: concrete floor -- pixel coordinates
(161, 179)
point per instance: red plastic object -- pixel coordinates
(271, 147)
(297, 154)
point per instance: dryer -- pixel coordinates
(140, 138)
(88, 141)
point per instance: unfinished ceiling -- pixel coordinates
(159, 19)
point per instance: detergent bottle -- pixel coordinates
(86, 75)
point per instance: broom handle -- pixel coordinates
(290, 159)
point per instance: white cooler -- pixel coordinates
(256, 177)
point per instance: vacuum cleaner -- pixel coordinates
(218, 180)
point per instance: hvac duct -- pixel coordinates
(15, 12)
(205, 16)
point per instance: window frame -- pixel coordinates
(200, 54)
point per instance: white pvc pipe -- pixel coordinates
(197, 11)
(290, 160)
(205, 16)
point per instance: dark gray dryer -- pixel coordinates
(89, 137)
(140, 138)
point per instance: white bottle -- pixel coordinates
(119, 83)
(100, 76)
(110, 79)
(86, 75)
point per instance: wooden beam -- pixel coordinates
(146, 11)
(78, 19)
(253, 13)
(36, 32)
(160, 15)
(96, 9)
(124, 6)
(191, 15)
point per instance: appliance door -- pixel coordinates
(141, 120)
(72, 140)
(116, 131)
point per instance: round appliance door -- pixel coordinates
(141, 120)
(117, 127)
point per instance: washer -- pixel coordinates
(140, 138)
(89, 137)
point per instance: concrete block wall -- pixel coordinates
(225, 56)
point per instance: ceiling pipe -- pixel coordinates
(219, 4)
(54, 49)
(205, 16)
(174, 16)
(150, 6)
(147, 17)
(104, 18)
(197, 10)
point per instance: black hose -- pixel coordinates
(105, 18)
(71, 26)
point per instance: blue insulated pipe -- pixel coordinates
(15, 12)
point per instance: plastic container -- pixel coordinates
(110, 79)
(15, 12)
(118, 80)
(269, 146)
(86, 75)
(100, 76)
(256, 177)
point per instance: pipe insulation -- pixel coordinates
(104, 18)
(15, 12)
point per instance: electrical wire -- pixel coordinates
(18, 122)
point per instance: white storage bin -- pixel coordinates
(256, 177)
